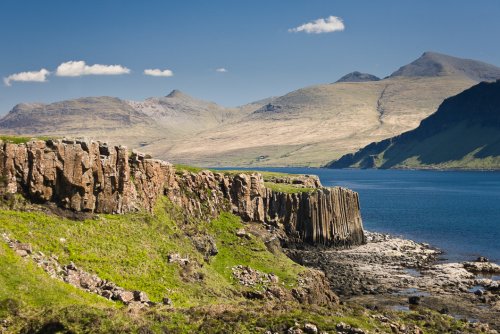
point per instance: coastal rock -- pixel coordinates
(89, 176)
(482, 267)
(324, 216)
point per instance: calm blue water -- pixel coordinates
(458, 212)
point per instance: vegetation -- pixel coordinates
(20, 139)
(132, 251)
(287, 188)
(185, 168)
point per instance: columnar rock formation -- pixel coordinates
(93, 177)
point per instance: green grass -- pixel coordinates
(287, 188)
(186, 168)
(266, 175)
(20, 139)
(132, 250)
(18, 276)
(234, 250)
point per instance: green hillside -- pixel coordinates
(464, 133)
(132, 251)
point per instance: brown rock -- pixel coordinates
(91, 176)
(124, 296)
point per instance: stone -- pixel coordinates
(140, 296)
(205, 244)
(167, 301)
(93, 177)
(414, 300)
(177, 258)
(294, 330)
(482, 259)
(124, 296)
(310, 328)
(242, 233)
(106, 294)
(22, 252)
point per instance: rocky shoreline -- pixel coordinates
(395, 273)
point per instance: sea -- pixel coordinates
(455, 211)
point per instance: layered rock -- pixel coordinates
(325, 216)
(93, 177)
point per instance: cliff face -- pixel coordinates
(93, 177)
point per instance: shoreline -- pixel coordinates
(395, 273)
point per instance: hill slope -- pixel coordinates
(111, 119)
(463, 133)
(436, 64)
(310, 125)
(306, 127)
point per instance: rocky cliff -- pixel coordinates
(91, 176)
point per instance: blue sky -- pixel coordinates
(251, 39)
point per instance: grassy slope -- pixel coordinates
(456, 148)
(132, 251)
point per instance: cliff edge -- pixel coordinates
(89, 176)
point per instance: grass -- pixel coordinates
(287, 188)
(269, 178)
(20, 139)
(186, 168)
(266, 175)
(234, 250)
(132, 251)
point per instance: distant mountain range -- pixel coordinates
(463, 133)
(306, 127)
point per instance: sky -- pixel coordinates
(226, 51)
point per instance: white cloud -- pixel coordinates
(319, 26)
(79, 68)
(33, 76)
(221, 70)
(158, 73)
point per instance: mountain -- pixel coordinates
(98, 117)
(463, 133)
(134, 123)
(358, 77)
(183, 114)
(307, 127)
(310, 125)
(435, 64)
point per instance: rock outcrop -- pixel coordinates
(323, 216)
(90, 176)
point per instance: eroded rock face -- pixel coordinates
(78, 175)
(325, 216)
(90, 176)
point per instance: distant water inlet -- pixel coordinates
(458, 212)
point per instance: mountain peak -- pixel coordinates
(177, 93)
(358, 77)
(433, 64)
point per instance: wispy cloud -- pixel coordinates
(158, 73)
(32, 76)
(221, 70)
(320, 26)
(79, 68)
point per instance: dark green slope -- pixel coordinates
(463, 133)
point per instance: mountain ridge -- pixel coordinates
(437, 64)
(358, 77)
(306, 127)
(464, 133)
